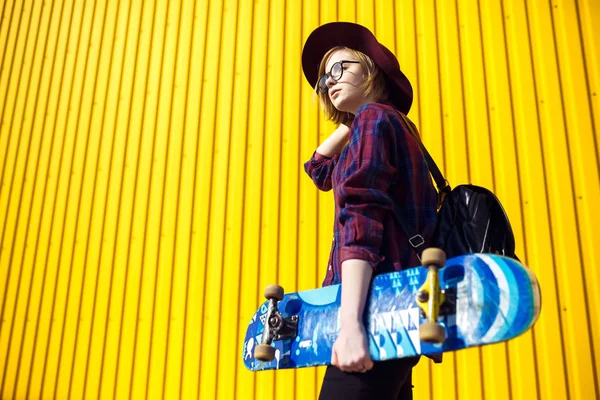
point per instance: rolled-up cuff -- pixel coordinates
(318, 158)
(360, 253)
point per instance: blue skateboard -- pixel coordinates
(470, 300)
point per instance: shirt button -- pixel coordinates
(330, 267)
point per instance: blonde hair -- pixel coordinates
(373, 85)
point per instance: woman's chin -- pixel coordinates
(339, 104)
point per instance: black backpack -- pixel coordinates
(470, 218)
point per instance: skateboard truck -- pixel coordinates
(276, 326)
(430, 297)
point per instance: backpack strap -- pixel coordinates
(415, 239)
(441, 182)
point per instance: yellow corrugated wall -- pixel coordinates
(151, 174)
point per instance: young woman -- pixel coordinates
(377, 170)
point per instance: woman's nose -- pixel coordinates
(330, 81)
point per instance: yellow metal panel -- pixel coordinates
(6, 13)
(110, 368)
(583, 159)
(308, 265)
(15, 228)
(585, 141)
(178, 203)
(269, 270)
(15, 83)
(83, 280)
(124, 357)
(587, 12)
(290, 164)
(151, 174)
(325, 208)
(534, 206)
(192, 215)
(438, 100)
(470, 362)
(13, 37)
(91, 335)
(167, 156)
(233, 323)
(152, 231)
(248, 384)
(561, 191)
(78, 188)
(499, 380)
(94, 195)
(427, 85)
(214, 313)
(32, 277)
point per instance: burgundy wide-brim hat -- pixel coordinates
(356, 37)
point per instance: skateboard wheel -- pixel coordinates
(264, 352)
(274, 292)
(433, 256)
(432, 332)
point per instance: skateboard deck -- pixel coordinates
(488, 299)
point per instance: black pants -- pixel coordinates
(387, 380)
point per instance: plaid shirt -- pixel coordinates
(381, 171)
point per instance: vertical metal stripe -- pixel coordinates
(48, 383)
(6, 65)
(241, 379)
(12, 141)
(5, 14)
(86, 317)
(20, 311)
(182, 154)
(13, 59)
(115, 378)
(77, 324)
(228, 317)
(153, 363)
(107, 385)
(137, 198)
(140, 367)
(189, 380)
(213, 70)
(15, 201)
(41, 328)
(27, 331)
(61, 380)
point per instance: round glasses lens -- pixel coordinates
(323, 84)
(336, 71)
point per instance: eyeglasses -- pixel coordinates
(336, 72)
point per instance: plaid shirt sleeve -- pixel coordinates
(320, 168)
(362, 193)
